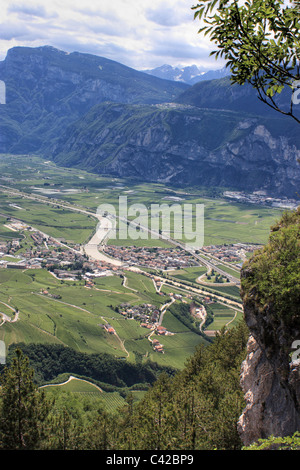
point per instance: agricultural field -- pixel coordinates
(188, 274)
(195, 274)
(51, 310)
(69, 226)
(233, 291)
(224, 221)
(223, 317)
(5, 232)
(72, 315)
(110, 401)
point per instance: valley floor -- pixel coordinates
(64, 280)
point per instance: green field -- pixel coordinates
(189, 274)
(72, 315)
(223, 316)
(224, 221)
(70, 226)
(110, 401)
(233, 291)
(75, 385)
(75, 318)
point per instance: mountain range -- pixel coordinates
(190, 74)
(47, 89)
(93, 113)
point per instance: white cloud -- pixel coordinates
(138, 34)
(25, 9)
(165, 16)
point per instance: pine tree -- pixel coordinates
(23, 407)
(64, 431)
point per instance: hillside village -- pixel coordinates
(42, 251)
(148, 315)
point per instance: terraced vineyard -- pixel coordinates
(111, 401)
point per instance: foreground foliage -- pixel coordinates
(23, 407)
(260, 41)
(274, 277)
(277, 443)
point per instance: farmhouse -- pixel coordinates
(157, 346)
(109, 329)
(161, 330)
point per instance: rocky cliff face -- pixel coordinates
(270, 375)
(271, 405)
(183, 145)
(93, 113)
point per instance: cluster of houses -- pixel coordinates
(147, 314)
(9, 247)
(262, 198)
(157, 346)
(156, 257)
(233, 253)
(48, 253)
(8, 250)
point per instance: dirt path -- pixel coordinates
(69, 380)
(124, 284)
(87, 311)
(163, 310)
(6, 318)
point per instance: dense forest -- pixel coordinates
(49, 361)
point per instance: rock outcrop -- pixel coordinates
(90, 112)
(271, 407)
(182, 145)
(270, 374)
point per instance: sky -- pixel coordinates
(142, 34)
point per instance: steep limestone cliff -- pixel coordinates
(270, 375)
(184, 145)
(93, 113)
